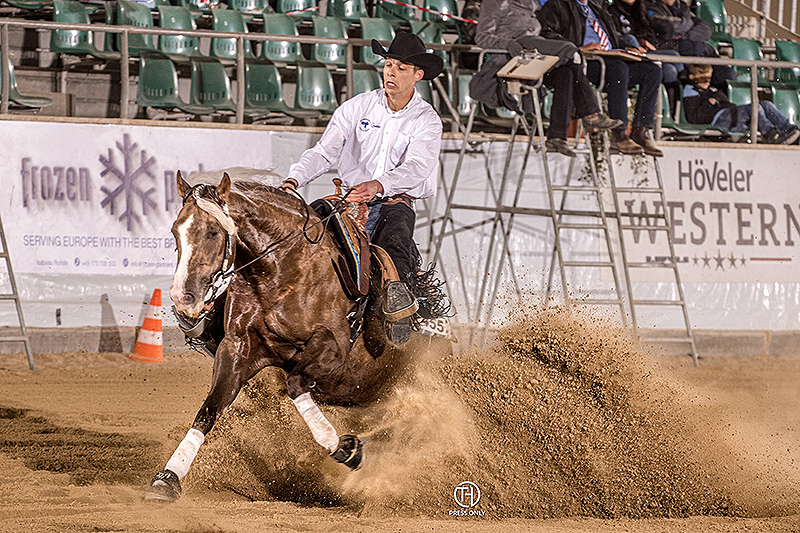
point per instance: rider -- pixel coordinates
(387, 145)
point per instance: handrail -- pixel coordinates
(455, 49)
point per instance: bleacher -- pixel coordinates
(183, 60)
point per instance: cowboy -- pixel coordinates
(386, 143)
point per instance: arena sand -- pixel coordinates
(565, 425)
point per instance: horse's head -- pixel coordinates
(205, 234)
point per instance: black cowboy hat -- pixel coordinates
(409, 48)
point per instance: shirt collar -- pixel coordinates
(385, 102)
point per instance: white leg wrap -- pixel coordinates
(182, 459)
(321, 429)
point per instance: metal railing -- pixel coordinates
(349, 43)
(125, 57)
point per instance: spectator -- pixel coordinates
(704, 104)
(511, 25)
(677, 28)
(587, 24)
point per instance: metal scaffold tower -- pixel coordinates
(575, 207)
(13, 296)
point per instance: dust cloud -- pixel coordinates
(558, 416)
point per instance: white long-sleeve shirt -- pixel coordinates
(370, 141)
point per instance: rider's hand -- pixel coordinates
(288, 185)
(364, 192)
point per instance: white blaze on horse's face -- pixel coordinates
(177, 292)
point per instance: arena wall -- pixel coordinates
(89, 207)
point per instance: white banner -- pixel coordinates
(735, 213)
(101, 199)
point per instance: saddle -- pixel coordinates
(356, 253)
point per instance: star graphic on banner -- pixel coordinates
(732, 259)
(695, 260)
(706, 260)
(742, 259)
(720, 261)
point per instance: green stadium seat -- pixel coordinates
(348, 10)
(314, 90)
(430, 32)
(29, 5)
(365, 78)
(374, 28)
(76, 42)
(330, 54)
(739, 92)
(787, 100)
(425, 90)
(300, 9)
(397, 15)
(24, 100)
(788, 51)
(448, 7)
(249, 6)
(464, 100)
(281, 52)
(135, 14)
(158, 86)
(263, 91)
(199, 6)
(224, 48)
(713, 12)
(211, 85)
(749, 49)
(178, 47)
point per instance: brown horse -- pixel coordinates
(285, 307)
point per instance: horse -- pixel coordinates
(285, 307)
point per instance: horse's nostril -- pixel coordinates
(188, 298)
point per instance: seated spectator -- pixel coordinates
(512, 26)
(588, 25)
(634, 25)
(677, 28)
(704, 104)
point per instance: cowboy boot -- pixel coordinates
(623, 143)
(641, 136)
(398, 306)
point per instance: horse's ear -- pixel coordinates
(224, 188)
(183, 187)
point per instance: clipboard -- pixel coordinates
(619, 54)
(529, 65)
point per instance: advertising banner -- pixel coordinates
(101, 199)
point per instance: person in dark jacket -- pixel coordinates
(588, 25)
(704, 104)
(677, 28)
(511, 25)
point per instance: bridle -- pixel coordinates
(222, 278)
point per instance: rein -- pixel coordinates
(222, 278)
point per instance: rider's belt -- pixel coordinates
(396, 199)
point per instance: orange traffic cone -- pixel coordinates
(149, 344)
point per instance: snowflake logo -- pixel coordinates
(127, 176)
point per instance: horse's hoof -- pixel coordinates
(165, 487)
(350, 452)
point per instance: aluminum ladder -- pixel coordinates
(13, 296)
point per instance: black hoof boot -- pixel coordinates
(350, 452)
(165, 487)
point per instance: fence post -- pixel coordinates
(240, 80)
(348, 75)
(753, 104)
(794, 17)
(124, 75)
(5, 70)
(659, 114)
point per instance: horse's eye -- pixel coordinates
(211, 234)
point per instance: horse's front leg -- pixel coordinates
(226, 381)
(319, 358)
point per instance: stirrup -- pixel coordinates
(399, 303)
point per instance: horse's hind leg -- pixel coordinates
(225, 385)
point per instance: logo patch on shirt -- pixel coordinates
(365, 124)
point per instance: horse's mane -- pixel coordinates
(238, 175)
